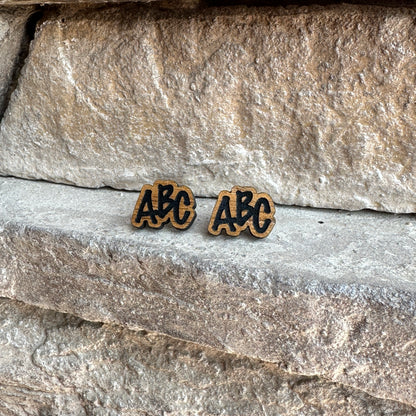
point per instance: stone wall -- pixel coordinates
(313, 104)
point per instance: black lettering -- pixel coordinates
(267, 210)
(146, 202)
(243, 201)
(176, 208)
(164, 193)
(224, 208)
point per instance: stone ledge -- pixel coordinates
(58, 364)
(327, 293)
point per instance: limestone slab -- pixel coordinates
(314, 105)
(327, 293)
(58, 364)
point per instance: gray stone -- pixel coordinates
(167, 4)
(314, 105)
(13, 39)
(56, 364)
(327, 293)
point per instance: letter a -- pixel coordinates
(144, 212)
(221, 218)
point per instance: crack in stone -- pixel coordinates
(30, 29)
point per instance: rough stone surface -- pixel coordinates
(12, 43)
(327, 293)
(313, 104)
(56, 364)
(167, 4)
(206, 3)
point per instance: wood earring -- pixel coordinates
(243, 208)
(164, 202)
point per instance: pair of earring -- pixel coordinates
(235, 211)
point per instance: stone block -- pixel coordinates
(312, 104)
(58, 364)
(328, 294)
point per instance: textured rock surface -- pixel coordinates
(327, 293)
(56, 364)
(208, 3)
(12, 43)
(169, 4)
(314, 105)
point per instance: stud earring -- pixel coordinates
(164, 202)
(240, 209)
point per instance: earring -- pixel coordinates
(243, 208)
(164, 202)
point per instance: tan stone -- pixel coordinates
(315, 105)
(56, 364)
(13, 43)
(167, 4)
(327, 293)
